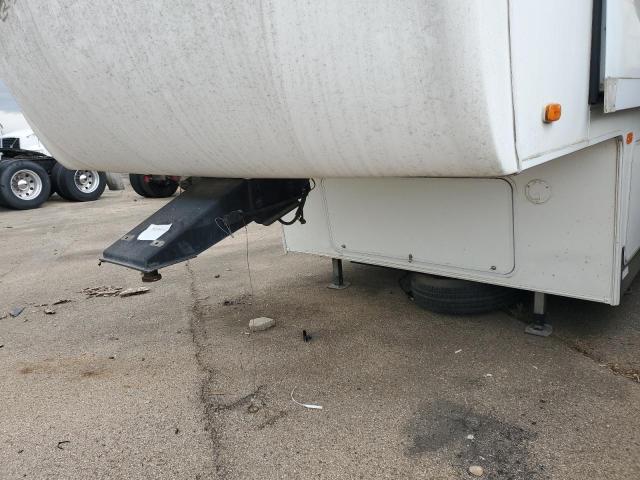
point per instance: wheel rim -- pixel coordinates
(26, 184)
(87, 181)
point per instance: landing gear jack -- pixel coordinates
(539, 327)
(338, 282)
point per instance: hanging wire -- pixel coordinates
(246, 235)
(227, 229)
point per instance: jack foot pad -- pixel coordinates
(333, 286)
(539, 329)
(154, 276)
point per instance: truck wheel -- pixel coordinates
(23, 184)
(78, 185)
(459, 297)
(137, 182)
(151, 186)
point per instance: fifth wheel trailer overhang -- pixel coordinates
(489, 140)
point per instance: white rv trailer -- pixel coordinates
(486, 140)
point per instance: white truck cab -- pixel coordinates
(22, 140)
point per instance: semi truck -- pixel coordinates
(485, 146)
(29, 175)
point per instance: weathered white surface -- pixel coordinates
(551, 45)
(621, 56)
(262, 89)
(431, 219)
(633, 228)
(565, 246)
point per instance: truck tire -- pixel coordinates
(137, 181)
(459, 297)
(146, 186)
(23, 184)
(78, 185)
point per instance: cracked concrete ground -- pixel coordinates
(171, 385)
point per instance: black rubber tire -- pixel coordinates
(459, 297)
(153, 188)
(56, 181)
(8, 199)
(2, 165)
(63, 181)
(137, 181)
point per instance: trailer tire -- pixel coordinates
(78, 185)
(137, 181)
(23, 184)
(152, 188)
(459, 297)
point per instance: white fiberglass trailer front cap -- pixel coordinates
(280, 88)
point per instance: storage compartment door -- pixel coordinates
(465, 224)
(621, 55)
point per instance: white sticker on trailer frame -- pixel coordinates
(154, 232)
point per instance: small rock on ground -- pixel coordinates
(476, 470)
(261, 323)
(129, 292)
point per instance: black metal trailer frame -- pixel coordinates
(47, 162)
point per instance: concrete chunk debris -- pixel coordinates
(49, 311)
(103, 291)
(476, 470)
(130, 292)
(16, 311)
(261, 323)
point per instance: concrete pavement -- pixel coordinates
(172, 385)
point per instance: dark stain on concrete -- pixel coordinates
(499, 447)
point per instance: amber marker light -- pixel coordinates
(629, 138)
(552, 112)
